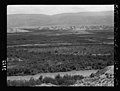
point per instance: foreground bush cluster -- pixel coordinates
(58, 80)
(103, 77)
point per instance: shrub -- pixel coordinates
(40, 78)
(57, 76)
(32, 81)
(92, 75)
(49, 80)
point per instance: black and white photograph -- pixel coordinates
(60, 45)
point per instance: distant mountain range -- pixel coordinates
(81, 18)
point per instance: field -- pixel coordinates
(50, 51)
(59, 36)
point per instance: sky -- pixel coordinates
(56, 9)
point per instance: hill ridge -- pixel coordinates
(82, 18)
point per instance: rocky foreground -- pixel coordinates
(104, 77)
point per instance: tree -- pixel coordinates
(56, 51)
(92, 75)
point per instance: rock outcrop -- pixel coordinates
(104, 77)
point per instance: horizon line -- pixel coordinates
(61, 13)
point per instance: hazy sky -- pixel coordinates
(55, 9)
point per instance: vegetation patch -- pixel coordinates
(58, 80)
